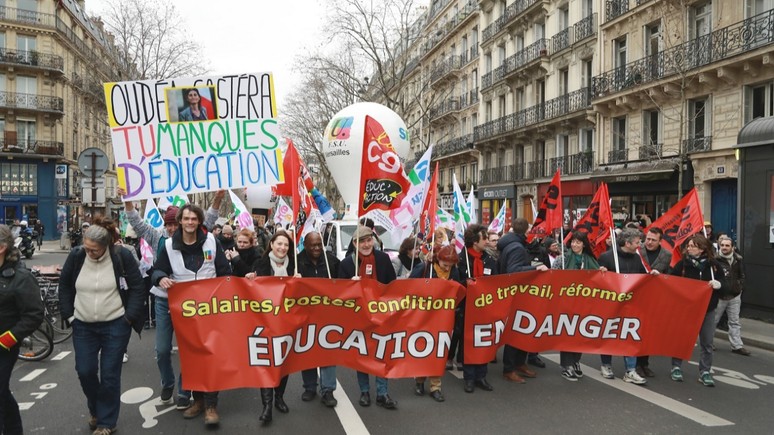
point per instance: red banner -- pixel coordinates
(383, 184)
(584, 311)
(681, 221)
(550, 214)
(237, 333)
(596, 222)
(430, 207)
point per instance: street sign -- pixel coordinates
(86, 183)
(94, 197)
(93, 162)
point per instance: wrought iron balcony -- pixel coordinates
(43, 103)
(616, 8)
(473, 97)
(472, 54)
(696, 144)
(585, 27)
(561, 40)
(444, 30)
(515, 62)
(25, 16)
(32, 146)
(616, 156)
(445, 107)
(539, 168)
(31, 58)
(740, 37)
(651, 151)
(411, 65)
(581, 163)
(568, 103)
(451, 63)
(464, 143)
(511, 12)
(486, 80)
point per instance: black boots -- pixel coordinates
(266, 396)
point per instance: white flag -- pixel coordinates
(152, 215)
(243, 217)
(472, 203)
(498, 224)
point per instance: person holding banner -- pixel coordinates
(515, 258)
(193, 110)
(699, 263)
(443, 266)
(101, 294)
(578, 256)
(629, 261)
(156, 237)
(312, 264)
(192, 254)
(474, 264)
(275, 262)
(370, 264)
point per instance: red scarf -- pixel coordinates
(478, 265)
(365, 261)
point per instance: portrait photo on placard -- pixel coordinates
(195, 103)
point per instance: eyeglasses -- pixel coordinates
(97, 251)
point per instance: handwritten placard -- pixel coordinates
(186, 135)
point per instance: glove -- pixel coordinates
(7, 340)
(715, 284)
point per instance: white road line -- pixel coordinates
(32, 375)
(457, 374)
(60, 355)
(23, 406)
(350, 419)
(679, 408)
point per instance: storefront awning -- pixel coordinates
(631, 177)
(756, 132)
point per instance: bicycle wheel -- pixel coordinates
(39, 345)
(61, 331)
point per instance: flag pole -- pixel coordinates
(357, 247)
(561, 244)
(712, 273)
(432, 253)
(416, 239)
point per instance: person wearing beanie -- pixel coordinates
(164, 330)
(550, 251)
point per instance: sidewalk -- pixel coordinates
(755, 333)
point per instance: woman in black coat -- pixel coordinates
(245, 256)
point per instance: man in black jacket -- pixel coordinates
(371, 264)
(312, 264)
(21, 312)
(515, 258)
(730, 303)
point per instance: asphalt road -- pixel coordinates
(52, 401)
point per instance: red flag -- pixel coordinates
(430, 207)
(550, 215)
(383, 184)
(681, 221)
(291, 166)
(597, 221)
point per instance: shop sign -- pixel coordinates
(500, 192)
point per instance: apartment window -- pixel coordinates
(27, 5)
(501, 103)
(755, 7)
(758, 101)
(464, 45)
(518, 42)
(26, 43)
(564, 80)
(586, 137)
(520, 101)
(562, 145)
(487, 160)
(501, 53)
(474, 172)
(619, 49)
(441, 177)
(501, 158)
(540, 31)
(2, 39)
(651, 124)
(464, 125)
(488, 62)
(474, 79)
(587, 8)
(698, 118)
(474, 120)
(586, 73)
(518, 154)
(463, 174)
(619, 133)
(488, 111)
(474, 37)
(2, 82)
(700, 20)
(26, 131)
(564, 17)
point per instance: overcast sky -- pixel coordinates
(241, 36)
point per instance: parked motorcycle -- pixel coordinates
(25, 241)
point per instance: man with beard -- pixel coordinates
(731, 303)
(192, 254)
(657, 259)
(226, 238)
(312, 264)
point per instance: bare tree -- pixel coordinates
(151, 40)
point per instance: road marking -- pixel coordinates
(457, 374)
(348, 416)
(679, 408)
(32, 375)
(23, 406)
(61, 355)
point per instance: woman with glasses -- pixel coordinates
(699, 263)
(101, 294)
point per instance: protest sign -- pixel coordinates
(584, 311)
(235, 333)
(186, 135)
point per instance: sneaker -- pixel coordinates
(183, 403)
(577, 369)
(633, 378)
(126, 358)
(607, 372)
(449, 364)
(166, 395)
(569, 374)
(741, 351)
(677, 374)
(103, 431)
(328, 399)
(460, 366)
(706, 379)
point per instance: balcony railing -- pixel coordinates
(32, 58)
(449, 105)
(514, 10)
(696, 144)
(32, 146)
(473, 99)
(620, 155)
(515, 62)
(568, 103)
(464, 143)
(473, 54)
(25, 16)
(31, 101)
(581, 163)
(616, 8)
(740, 37)
(442, 31)
(585, 27)
(451, 63)
(561, 40)
(502, 174)
(651, 151)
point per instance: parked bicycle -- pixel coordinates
(48, 281)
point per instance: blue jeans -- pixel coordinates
(327, 379)
(630, 362)
(164, 331)
(365, 385)
(10, 418)
(100, 372)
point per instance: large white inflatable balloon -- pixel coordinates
(343, 145)
(257, 197)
